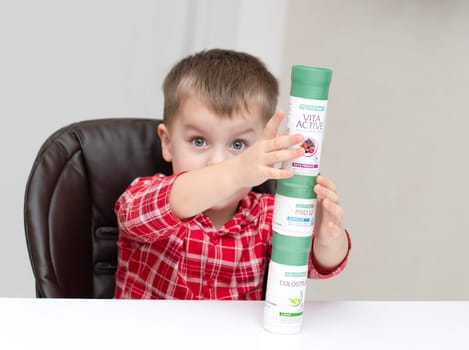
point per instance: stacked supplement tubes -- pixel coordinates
(295, 203)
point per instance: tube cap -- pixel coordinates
(310, 82)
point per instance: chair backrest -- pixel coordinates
(70, 225)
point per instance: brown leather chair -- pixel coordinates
(70, 225)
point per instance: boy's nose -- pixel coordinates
(216, 156)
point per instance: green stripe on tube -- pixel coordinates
(290, 250)
(297, 186)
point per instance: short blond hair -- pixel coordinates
(226, 81)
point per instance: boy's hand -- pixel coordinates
(256, 163)
(331, 242)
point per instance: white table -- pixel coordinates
(133, 324)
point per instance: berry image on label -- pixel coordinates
(309, 147)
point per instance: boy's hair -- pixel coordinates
(226, 81)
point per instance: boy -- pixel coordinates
(201, 233)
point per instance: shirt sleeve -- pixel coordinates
(143, 211)
(314, 272)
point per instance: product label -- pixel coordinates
(307, 117)
(285, 297)
(294, 215)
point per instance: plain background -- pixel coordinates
(395, 133)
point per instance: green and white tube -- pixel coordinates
(295, 203)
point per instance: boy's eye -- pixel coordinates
(198, 142)
(238, 145)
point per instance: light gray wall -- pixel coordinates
(65, 61)
(396, 140)
(61, 62)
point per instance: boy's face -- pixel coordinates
(197, 138)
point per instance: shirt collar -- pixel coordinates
(248, 211)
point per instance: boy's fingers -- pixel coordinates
(324, 192)
(282, 142)
(334, 210)
(273, 124)
(324, 181)
(277, 174)
(283, 155)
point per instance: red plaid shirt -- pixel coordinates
(161, 256)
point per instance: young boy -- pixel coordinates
(201, 233)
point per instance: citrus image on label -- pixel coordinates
(284, 305)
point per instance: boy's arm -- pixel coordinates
(316, 270)
(143, 211)
(331, 242)
(198, 190)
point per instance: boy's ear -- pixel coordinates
(165, 144)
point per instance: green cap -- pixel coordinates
(290, 250)
(297, 186)
(310, 82)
